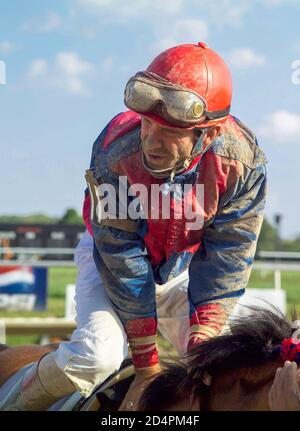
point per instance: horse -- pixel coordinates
(233, 371)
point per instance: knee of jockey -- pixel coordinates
(90, 360)
(104, 356)
(103, 365)
(87, 372)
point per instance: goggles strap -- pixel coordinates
(217, 115)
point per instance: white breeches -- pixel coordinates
(99, 344)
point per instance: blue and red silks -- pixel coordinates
(219, 254)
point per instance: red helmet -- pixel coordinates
(202, 72)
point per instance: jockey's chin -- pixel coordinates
(156, 161)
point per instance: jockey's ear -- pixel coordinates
(206, 378)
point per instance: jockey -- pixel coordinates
(178, 137)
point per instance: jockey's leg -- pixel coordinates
(96, 349)
(173, 312)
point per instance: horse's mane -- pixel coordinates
(164, 391)
(250, 341)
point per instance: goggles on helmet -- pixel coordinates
(148, 92)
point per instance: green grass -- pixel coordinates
(290, 282)
(58, 278)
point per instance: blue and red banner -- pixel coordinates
(23, 288)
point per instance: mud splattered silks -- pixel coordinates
(219, 254)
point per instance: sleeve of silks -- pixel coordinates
(123, 263)
(220, 269)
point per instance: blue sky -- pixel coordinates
(67, 62)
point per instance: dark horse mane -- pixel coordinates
(250, 341)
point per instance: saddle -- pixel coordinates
(108, 396)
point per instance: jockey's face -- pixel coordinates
(164, 146)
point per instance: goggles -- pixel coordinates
(147, 92)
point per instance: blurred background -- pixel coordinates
(63, 68)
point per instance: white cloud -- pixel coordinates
(281, 126)
(76, 86)
(172, 6)
(244, 58)
(181, 31)
(71, 64)
(37, 68)
(6, 46)
(277, 3)
(72, 69)
(272, 3)
(128, 8)
(43, 25)
(108, 64)
(97, 4)
(233, 13)
(68, 72)
(222, 13)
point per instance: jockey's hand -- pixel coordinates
(284, 394)
(141, 380)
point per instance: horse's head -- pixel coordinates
(242, 362)
(233, 371)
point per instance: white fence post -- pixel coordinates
(277, 279)
(2, 332)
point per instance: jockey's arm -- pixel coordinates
(122, 261)
(123, 264)
(220, 269)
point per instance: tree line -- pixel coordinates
(269, 238)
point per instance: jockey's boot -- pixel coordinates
(42, 385)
